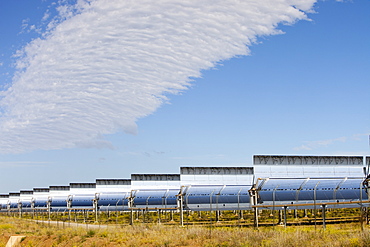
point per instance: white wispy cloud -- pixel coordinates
(103, 64)
(23, 163)
(311, 145)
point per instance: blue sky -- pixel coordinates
(87, 99)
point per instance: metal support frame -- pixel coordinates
(181, 206)
(217, 209)
(365, 184)
(130, 202)
(314, 201)
(8, 208)
(19, 205)
(323, 216)
(210, 208)
(117, 211)
(131, 217)
(180, 203)
(69, 207)
(253, 192)
(48, 205)
(273, 204)
(361, 209)
(95, 207)
(239, 211)
(285, 215)
(33, 208)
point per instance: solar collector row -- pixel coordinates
(229, 186)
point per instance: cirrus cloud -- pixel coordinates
(107, 63)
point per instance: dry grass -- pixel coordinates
(161, 235)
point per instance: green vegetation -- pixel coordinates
(228, 228)
(232, 218)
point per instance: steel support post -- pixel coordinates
(20, 209)
(361, 209)
(49, 207)
(117, 212)
(255, 209)
(217, 211)
(366, 184)
(131, 217)
(285, 216)
(33, 209)
(143, 213)
(96, 210)
(323, 216)
(254, 199)
(273, 205)
(70, 214)
(314, 198)
(255, 213)
(130, 206)
(238, 211)
(181, 209)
